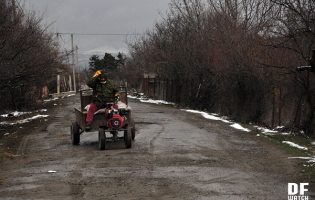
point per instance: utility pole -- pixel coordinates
(58, 76)
(76, 50)
(70, 83)
(58, 83)
(74, 84)
(68, 63)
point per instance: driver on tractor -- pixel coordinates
(101, 87)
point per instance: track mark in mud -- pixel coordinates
(148, 112)
(155, 137)
(145, 123)
(23, 144)
(76, 185)
(152, 146)
(63, 135)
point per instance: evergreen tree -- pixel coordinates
(95, 63)
(109, 62)
(120, 61)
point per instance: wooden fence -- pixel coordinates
(162, 89)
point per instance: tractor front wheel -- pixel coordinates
(127, 138)
(133, 128)
(101, 139)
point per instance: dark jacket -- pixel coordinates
(107, 89)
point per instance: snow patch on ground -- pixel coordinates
(18, 114)
(23, 120)
(265, 130)
(295, 145)
(155, 101)
(310, 162)
(15, 114)
(237, 126)
(145, 99)
(54, 99)
(209, 116)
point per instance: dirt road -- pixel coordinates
(175, 155)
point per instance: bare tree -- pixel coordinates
(236, 57)
(29, 56)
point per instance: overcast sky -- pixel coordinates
(99, 17)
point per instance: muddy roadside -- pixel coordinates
(11, 135)
(176, 155)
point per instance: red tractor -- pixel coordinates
(115, 118)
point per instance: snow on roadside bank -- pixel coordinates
(295, 145)
(208, 116)
(237, 126)
(263, 131)
(15, 114)
(156, 101)
(223, 119)
(23, 120)
(18, 114)
(204, 114)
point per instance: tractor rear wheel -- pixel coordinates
(133, 128)
(75, 133)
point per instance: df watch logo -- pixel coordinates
(296, 191)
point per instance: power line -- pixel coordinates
(108, 34)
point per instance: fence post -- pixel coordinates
(172, 91)
(280, 106)
(166, 94)
(154, 88)
(164, 89)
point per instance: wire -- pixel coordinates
(99, 34)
